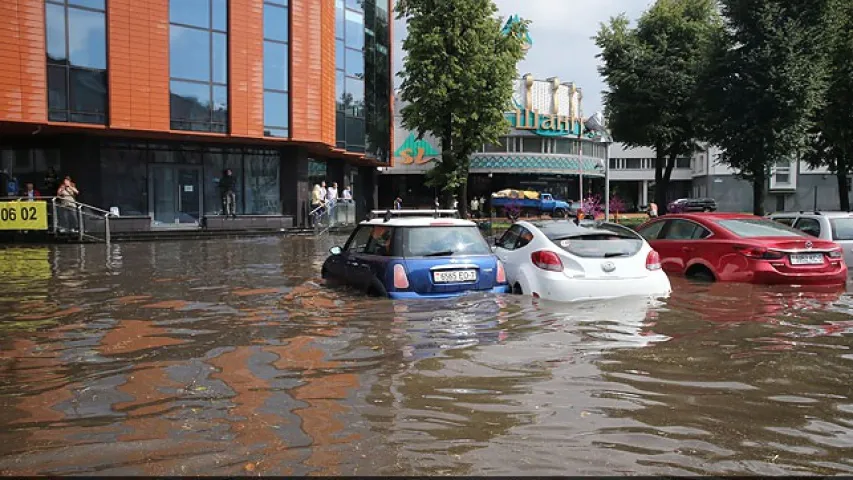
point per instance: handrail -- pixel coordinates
(79, 206)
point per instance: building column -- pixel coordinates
(335, 173)
(644, 193)
(366, 192)
(294, 184)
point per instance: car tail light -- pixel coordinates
(653, 260)
(401, 281)
(759, 253)
(835, 254)
(501, 276)
(547, 261)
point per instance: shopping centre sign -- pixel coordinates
(546, 125)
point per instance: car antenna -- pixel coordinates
(387, 216)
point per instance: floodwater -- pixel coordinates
(230, 357)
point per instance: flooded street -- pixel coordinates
(230, 357)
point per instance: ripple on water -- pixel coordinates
(232, 357)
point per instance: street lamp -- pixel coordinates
(595, 124)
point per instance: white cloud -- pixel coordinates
(562, 43)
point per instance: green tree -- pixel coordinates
(653, 72)
(767, 81)
(458, 81)
(832, 133)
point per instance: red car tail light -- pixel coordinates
(759, 253)
(547, 261)
(653, 261)
(501, 275)
(401, 281)
(835, 254)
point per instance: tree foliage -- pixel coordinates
(653, 72)
(767, 81)
(458, 80)
(831, 136)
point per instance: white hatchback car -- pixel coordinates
(559, 260)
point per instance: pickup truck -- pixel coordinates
(544, 204)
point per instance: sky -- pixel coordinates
(562, 43)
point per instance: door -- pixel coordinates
(682, 242)
(506, 249)
(175, 197)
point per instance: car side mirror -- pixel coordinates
(336, 250)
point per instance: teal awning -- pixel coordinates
(524, 163)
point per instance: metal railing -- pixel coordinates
(332, 214)
(89, 222)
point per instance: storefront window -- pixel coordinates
(215, 162)
(262, 184)
(124, 180)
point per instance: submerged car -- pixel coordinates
(731, 247)
(564, 261)
(833, 226)
(416, 258)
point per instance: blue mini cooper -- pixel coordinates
(416, 258)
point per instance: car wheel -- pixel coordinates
(559, 213)
(516, 289)
(701, 274)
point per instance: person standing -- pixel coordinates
(398, 203)
(67, 194)
(31, 193)
(51, 180)
(347, 195)
(332, 199)
(226, 190)
(475, 207)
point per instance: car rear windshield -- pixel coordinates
(842, 228)
(597, 241)
(758, 228)
(444, 242)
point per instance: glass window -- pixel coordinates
(532, 145)
(340, 54)
(354, 29)
(220, 15)
(681, 230)
(220, 58)
(500, 147)
(124, 174)
(190, 12)
(759, 228)
(444, 242)
(355, 63)
(355, 4)
(600, 244)
(220, 104)
(262, 185)
(842, 228)
(650, 232)
(632, 163)
(276, 109)
(276, 132)
(283, 3)
(88, 91)
(509, 238)
(275, 23)
(339, 87)
(56, 46)
(188, 54)
(275, 66)
(808, 225)
(96, 4)
(354, 96)
(789, 221)
(214, 164)
(190, 101)
(57, 91)
(87, 43)
(339, 18)
(358, 241)
(355, 132)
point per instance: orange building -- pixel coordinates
(145, 103)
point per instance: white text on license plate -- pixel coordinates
(455, 276)
(807, 259)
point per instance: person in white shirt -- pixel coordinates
(347, 194)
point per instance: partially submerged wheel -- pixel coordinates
(559, 213)
(516, 289)
(701, 274)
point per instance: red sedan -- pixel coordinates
(730, 247)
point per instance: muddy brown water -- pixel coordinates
(230, 357)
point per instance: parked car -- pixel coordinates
(544, 203)
(560, 260)
(416, 258)
(733, 247)
(833, 226)
(686, 205)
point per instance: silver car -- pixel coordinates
(835, 226)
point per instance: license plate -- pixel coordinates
(455, 276)
(807, 259)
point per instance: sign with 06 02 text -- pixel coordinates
(23, 215)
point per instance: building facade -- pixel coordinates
(544, 150)
(791, 186)
(144, 103)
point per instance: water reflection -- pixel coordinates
(232, 357)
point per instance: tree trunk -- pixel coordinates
(462, 196)
(670, 164)
(843, 184)
(758, 182)
(661, 185)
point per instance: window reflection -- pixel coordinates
(355, 96)
(262, 184)
(355, 63)
(77, 61)
(199, 65)
(275, 23)
(275, 66)
(354, 29)
(276, 109)
(190, 12)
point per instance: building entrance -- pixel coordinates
(175, 194)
